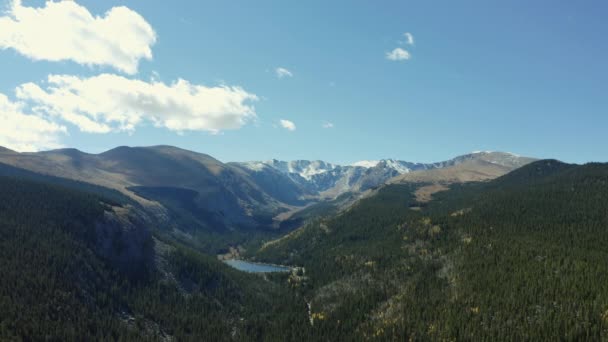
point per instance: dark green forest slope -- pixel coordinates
(61, 279)
(519, 258)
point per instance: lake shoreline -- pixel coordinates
(257, 267)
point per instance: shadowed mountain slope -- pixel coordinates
(222, 190)
(77, 266)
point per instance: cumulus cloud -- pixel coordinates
(327, 124)
(65, 30)
(409, 38)
(282, 72)
(288, 125)
(26, 133)
(110, 103)
(398, 54)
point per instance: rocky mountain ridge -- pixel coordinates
(329, 180)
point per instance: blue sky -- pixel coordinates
(528, 77)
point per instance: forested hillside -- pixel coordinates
(61, 279)
(519, 258)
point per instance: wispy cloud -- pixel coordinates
(283, 72)
(65, 30)
(112, 103)
(288, 125)
(398, 54)
(327, 124)
(409, 38)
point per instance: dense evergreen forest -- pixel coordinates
(56, 285)
(522, 257)
(519, 258)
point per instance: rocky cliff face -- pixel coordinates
(123, 238)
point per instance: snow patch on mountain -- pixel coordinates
(366, 163)
(398, 165)
(331, 180)
(303, 168)
(307, 169)
(255, 166)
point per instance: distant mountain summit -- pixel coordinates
(331, 180)
(398, 165)
(473, 167)
(304, 168)
(505, 159)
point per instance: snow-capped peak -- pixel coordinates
(319, 176)
(396, 165)
(307, 169)
(366, 163)
(304, 168)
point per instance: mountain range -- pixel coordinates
(327, 180)
(127, 245)
(210, 196)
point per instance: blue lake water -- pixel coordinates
(254, 267)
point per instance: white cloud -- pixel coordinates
(65, 30)
(398, 54)
(282, 72)
(288, 125)
(110, 103)
(409, 38)
(328, 125)
(26, 133)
